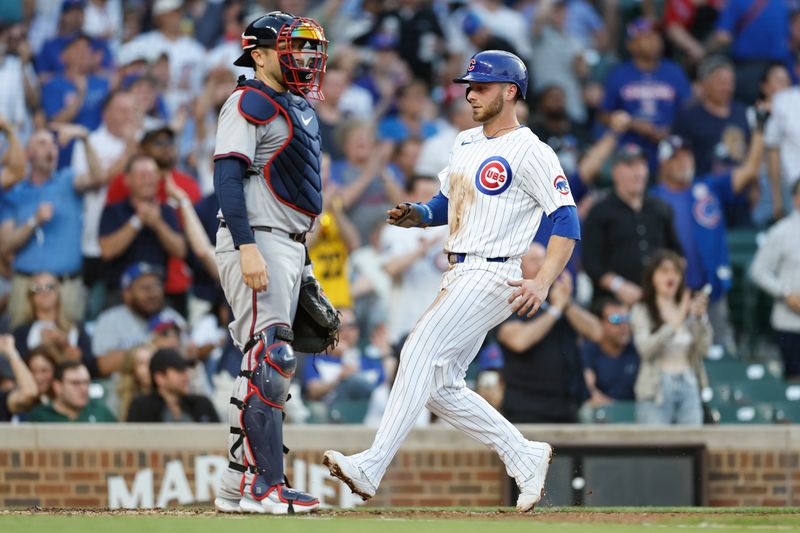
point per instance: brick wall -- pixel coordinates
(69, 466)
(78, 478)
(754, 478)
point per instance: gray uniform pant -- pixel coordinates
(252, 313)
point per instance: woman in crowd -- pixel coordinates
(134, 377)
(42, 361)
(45, 322)
(672, 333)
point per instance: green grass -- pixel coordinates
(558, 520)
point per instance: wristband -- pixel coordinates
(554, 312)
(185, 202)
(616, 283)
(32, 223)
(426, 214)
(135, 222)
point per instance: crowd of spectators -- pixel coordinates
(675, 122)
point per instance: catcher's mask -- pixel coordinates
(301, 46)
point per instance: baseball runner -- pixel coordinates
(267, 180)
(499, 180)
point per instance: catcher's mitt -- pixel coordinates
(316, 324)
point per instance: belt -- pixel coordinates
(454, 258)
(297, 237)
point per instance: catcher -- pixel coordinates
(267, 180)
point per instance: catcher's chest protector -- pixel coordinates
(293, 173)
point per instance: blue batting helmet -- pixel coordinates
(497, 66)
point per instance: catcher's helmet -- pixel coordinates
(301, 46)
(497, 65)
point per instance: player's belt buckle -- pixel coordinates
(454, 258)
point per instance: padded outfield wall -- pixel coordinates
(139, 466)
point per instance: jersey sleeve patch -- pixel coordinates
(561, 185)
(256, 106)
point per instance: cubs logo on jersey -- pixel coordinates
(561, 184)
(706, 209)
(493, 176)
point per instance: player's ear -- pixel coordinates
(259, 57)
(511, 91)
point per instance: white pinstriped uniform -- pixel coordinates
(497, 189)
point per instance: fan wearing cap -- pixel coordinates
(170, 400)
(625, 228)
(651, 89)
(267, 163)
(160, 144)
(124, 326)
(715, 123)
(699, 203)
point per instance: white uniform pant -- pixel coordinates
(473, 299)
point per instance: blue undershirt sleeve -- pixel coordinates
(435, 211)
(229, 175)
(566, 223)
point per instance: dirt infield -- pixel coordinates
(550, 515)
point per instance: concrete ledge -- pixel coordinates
(187, 437)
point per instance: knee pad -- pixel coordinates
(274, 368)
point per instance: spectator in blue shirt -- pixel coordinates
(649, 88)
(410, 119)
(41, 221)
(611, 364)
(49, 61)
(139, 228)
(758, 34)
(76, 95)
(715, 126)
(698, 204)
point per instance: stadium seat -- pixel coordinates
(749, 308)
(616, 413)
(741, 414)
(721, 394)
(785, 412)
(752, 392)
(349, 411)
(725, 371)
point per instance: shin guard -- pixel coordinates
(271, 364)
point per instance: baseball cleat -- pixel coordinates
(224, 505)
(533, 491)
(279, 500)
(343, 468)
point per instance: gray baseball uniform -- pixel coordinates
(277, 135)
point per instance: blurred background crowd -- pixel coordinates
(677, 124)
